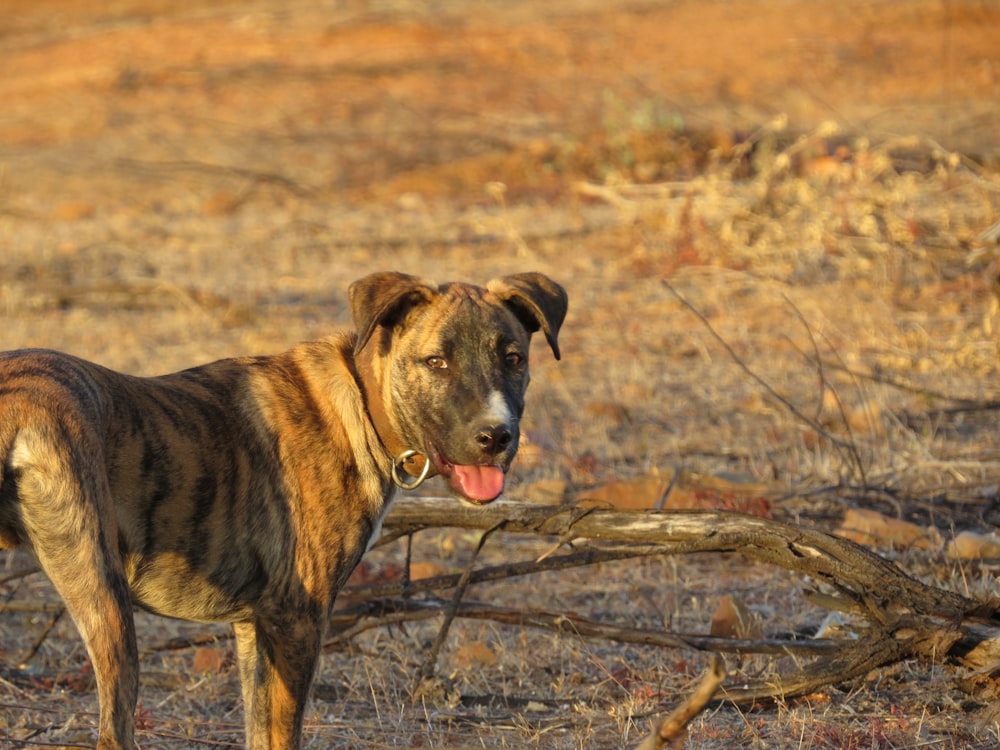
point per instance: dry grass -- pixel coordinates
(835, 342)
(833, 323)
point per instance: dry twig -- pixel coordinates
(848, 447)
(429, 666)
(671, 731)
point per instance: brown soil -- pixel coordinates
(180, 183)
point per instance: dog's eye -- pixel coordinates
(438, 363)
(513, 359)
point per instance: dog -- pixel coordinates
(246, 490)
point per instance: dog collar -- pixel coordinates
(402, 478)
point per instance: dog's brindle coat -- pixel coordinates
(246, 490)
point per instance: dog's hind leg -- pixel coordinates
(68, 518)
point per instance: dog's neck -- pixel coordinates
(371, 382)
(370, 378)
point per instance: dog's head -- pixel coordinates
(450, 364)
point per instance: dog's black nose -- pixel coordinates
(494, 440)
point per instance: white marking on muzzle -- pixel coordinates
(497, 410)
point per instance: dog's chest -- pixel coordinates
(377, 524)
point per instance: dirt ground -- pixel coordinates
(773, 220)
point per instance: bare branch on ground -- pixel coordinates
(671, 731)
(906, 619)
(348, 623)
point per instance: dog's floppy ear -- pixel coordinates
(384, 299)
(538, 302)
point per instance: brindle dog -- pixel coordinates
(246, 490)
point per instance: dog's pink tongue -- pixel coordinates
(479, 483)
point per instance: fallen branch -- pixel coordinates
(496, 572)
(348, 623)
(905, 618)
(31, 605)
(871, 582)
(18, 574)
(671, 731)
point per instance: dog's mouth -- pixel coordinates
(477, 484)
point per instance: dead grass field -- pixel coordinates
(180, 183)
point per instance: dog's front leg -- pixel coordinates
(246, 658)
(276, 670)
